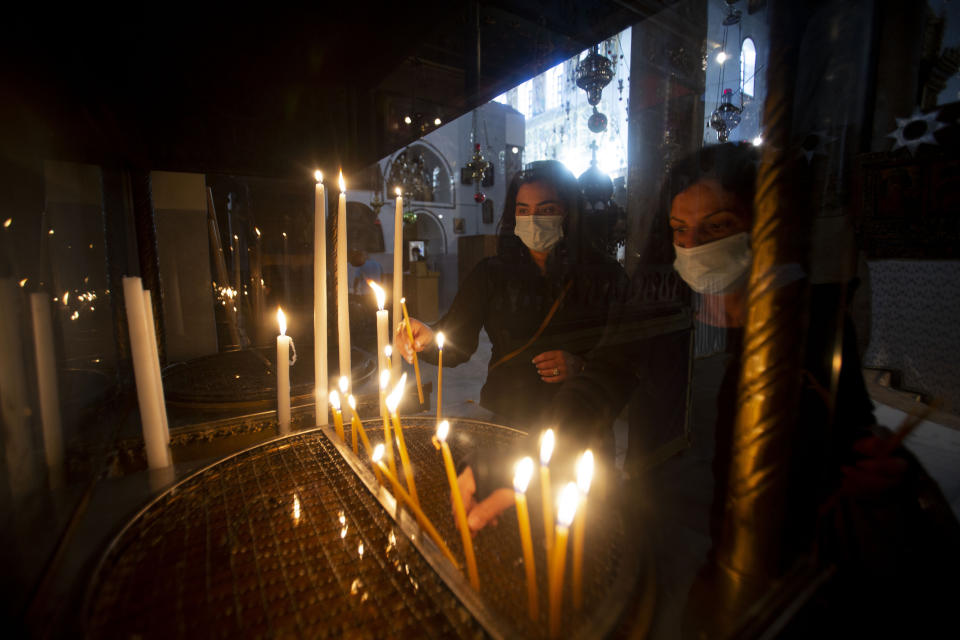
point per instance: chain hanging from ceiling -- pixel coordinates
(726, 117)
(594, 73)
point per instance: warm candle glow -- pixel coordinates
(585, 472)
(335, 400)
(282, 321)
(352, 402)
(344, 384)
(388, 351)
(380, 294)
(256, 230)
(522, 472)
(440, 340)
(567, 504)
(343, 185)
(398, 191)
(384, 380)
(547, 440)
(378, 453)
(443, 430)
(296, 510)
(318, 175)
(393, 400)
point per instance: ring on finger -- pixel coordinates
(556, 372)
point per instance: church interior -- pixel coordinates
(526, 318)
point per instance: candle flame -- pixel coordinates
(335, 400)
(384, 379)
(440, 340)
(296, 510)
(567, 504)
(522, 472)
(380, 294)
(403, 300)
(282, 321)
(393, 400)
(378, 453)
(344, 384)
(66, 295)
(257, 231)
(318, 175)
(547, 441)
(443, 430)
(388, 351)
(352, 402)
(585, 472)
(399, 192)
(343, 185)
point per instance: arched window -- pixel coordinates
(748, 67)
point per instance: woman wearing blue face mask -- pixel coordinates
(541, 299)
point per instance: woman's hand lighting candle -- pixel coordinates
(566, 510)
(521, 480)
(584, 478)
(337, 415)
(319, 297)
(403, 496)
(283, 374)
(440, 340)
(343, 304)
(416, 362)
(443, 430)
(393, 401)
(397, 270)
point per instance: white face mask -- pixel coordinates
(716, 266)
(539, 233)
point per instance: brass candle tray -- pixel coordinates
(247, 378)
(294, 538)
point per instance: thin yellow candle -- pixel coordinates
(387, 437)
(354, 422)
(547, 441)
(443, 430)
(566, 510)
(337, 415)
(403, 496)
(416, 361)
(584, 478)
(522, 473)
(357, 427)
(344, 384)
(440, 340)
(392, 403)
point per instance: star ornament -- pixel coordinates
(916, 130)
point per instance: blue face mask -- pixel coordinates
(539, 233)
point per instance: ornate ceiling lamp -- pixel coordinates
(476, 170)
(727, 115)
(594, 73)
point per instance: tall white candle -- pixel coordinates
(343, 309)
(383, 328)
(283, 375)
(397, 271)
(320, 301)
(155, 357)
(47, 386)
(151, 418)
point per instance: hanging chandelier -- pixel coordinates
(594, 73)
(409, 172)
(476, 171)
(726, 117)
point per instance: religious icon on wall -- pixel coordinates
(416, 250)
(459, 225)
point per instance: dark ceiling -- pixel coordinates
(271, 92)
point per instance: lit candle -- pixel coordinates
(355, 426)
(319, 299)
(547, 440)
(521, 480)
(283, 374)
(343, 308)
(403, 496)
(416, 361)
(440, 340)
(584, 478)
(344, 384)
(393, 401)
(158, 452)
(387, 437)
(443, 430)
(337, 415)
(397, 270)
(49, 394)
(566, 510)
(383, 326)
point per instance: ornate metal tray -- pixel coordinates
(295, 538)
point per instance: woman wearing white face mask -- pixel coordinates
(525, 298)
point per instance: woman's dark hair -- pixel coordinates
(568, 189)
(733, 165)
